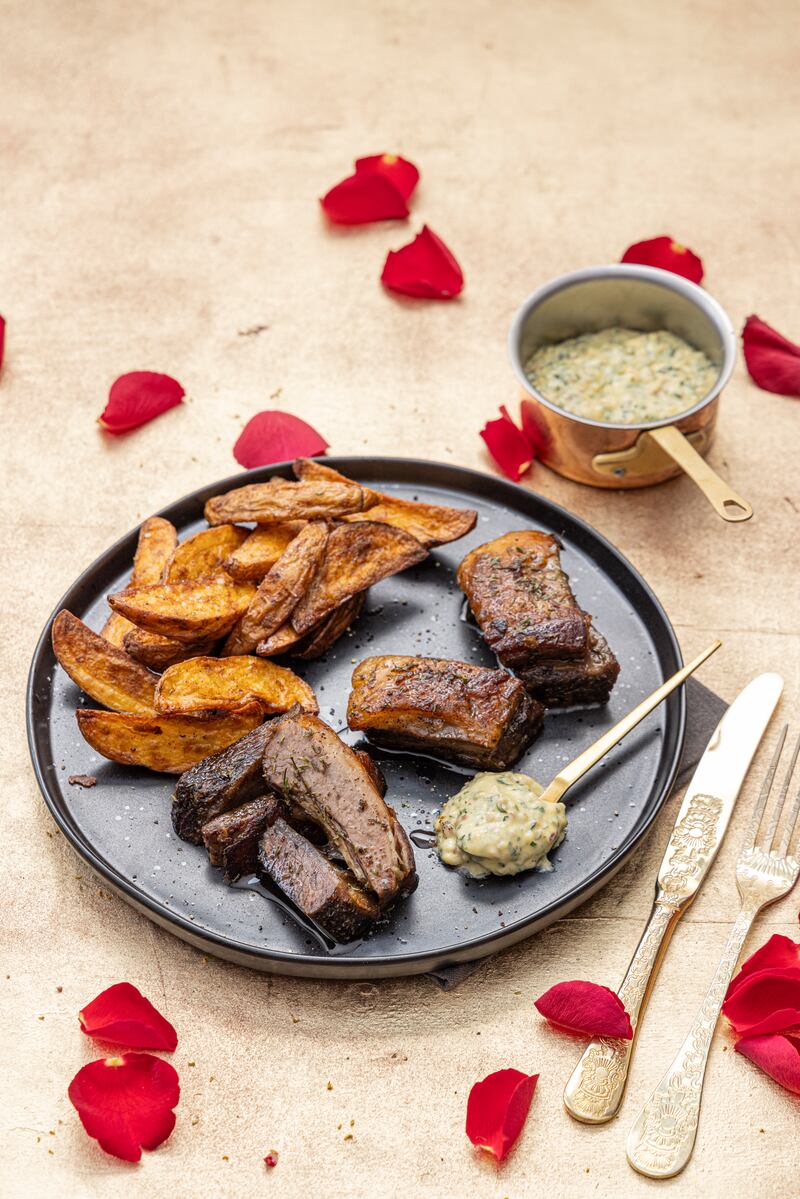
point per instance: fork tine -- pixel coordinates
(776, 815)
(789, 827)
(766, 787)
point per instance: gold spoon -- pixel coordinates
(578, 767)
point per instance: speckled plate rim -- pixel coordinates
(414, 472)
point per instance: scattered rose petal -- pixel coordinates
(778, 952)
(765, 1001)
(123, 1016)
(126, 1103)
(399, 171)
(667, 254)
(424, 268)
(271, 1160)
(772, 360)
(777, 1056)
(536, 434)
(497, 1109)
(364, 197)
(137, 398)
(275, 436)
(586, 1008)
(508, 445)
(2, 340)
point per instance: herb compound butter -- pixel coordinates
(622, 376)
(499, 824)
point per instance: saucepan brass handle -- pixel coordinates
(727, 503)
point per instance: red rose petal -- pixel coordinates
(425, 268)
(508, 445)
(667, 254)
(775, 1055)
(536, 434)
(271, 1160)
(772, 360)
(586, 1008)
(2, 339)
(364, 197)
(126, 1103)
(765, 1001)
(399, 171)
(776, 954)
(137, 398)
(123, 1016)
(275, 436)
(497, 1109)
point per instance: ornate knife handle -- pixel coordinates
(662, 1139)
(594, 1092)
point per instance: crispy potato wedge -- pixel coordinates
(280, 500)
(227, 683)
(356, 556)
(202, 556)
(157, 541)
(320, 639)
(279, 642)
(259, 553)
(189, 611)
(429, 523)
(101, 669)
(280, 590)
(170, 744)
(157, 652)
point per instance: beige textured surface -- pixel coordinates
(160, 164)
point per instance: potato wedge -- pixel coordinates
(320, 639)
(280, 500)
(356, 556)
(227, 683)
(279, 642)
(429, 523)
(157, 540)
(101, 669)
(170, 744)
(202, 556)
(280, 590)
(259, 553)
(308, 470)
(188, 611)
(157, 652)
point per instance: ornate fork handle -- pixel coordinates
(594, 1092)
(662, 1139)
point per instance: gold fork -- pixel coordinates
(662, 1139)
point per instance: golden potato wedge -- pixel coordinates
(227, 683)
(170, 744)
(429, 523)
(157, 540)
(320, 639)
(202, 556)
(356, 556)
(280, 589)
(157, 652)
(101, 669)
(189, 611)
(309, 470)
(259, 553)
(280, 500)
(279, 642)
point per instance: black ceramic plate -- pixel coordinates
(122, 827)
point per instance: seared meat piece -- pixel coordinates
(467, 714)
(558, 682)
(522, 600)
(374, 772)
(307, 765)
(231, 839)
(219, 783)
(327, 894)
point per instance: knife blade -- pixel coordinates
(595, 1090)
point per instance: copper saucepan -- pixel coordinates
(614, 455)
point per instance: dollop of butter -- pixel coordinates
(499, 824)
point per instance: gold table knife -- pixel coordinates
(594, 1092)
